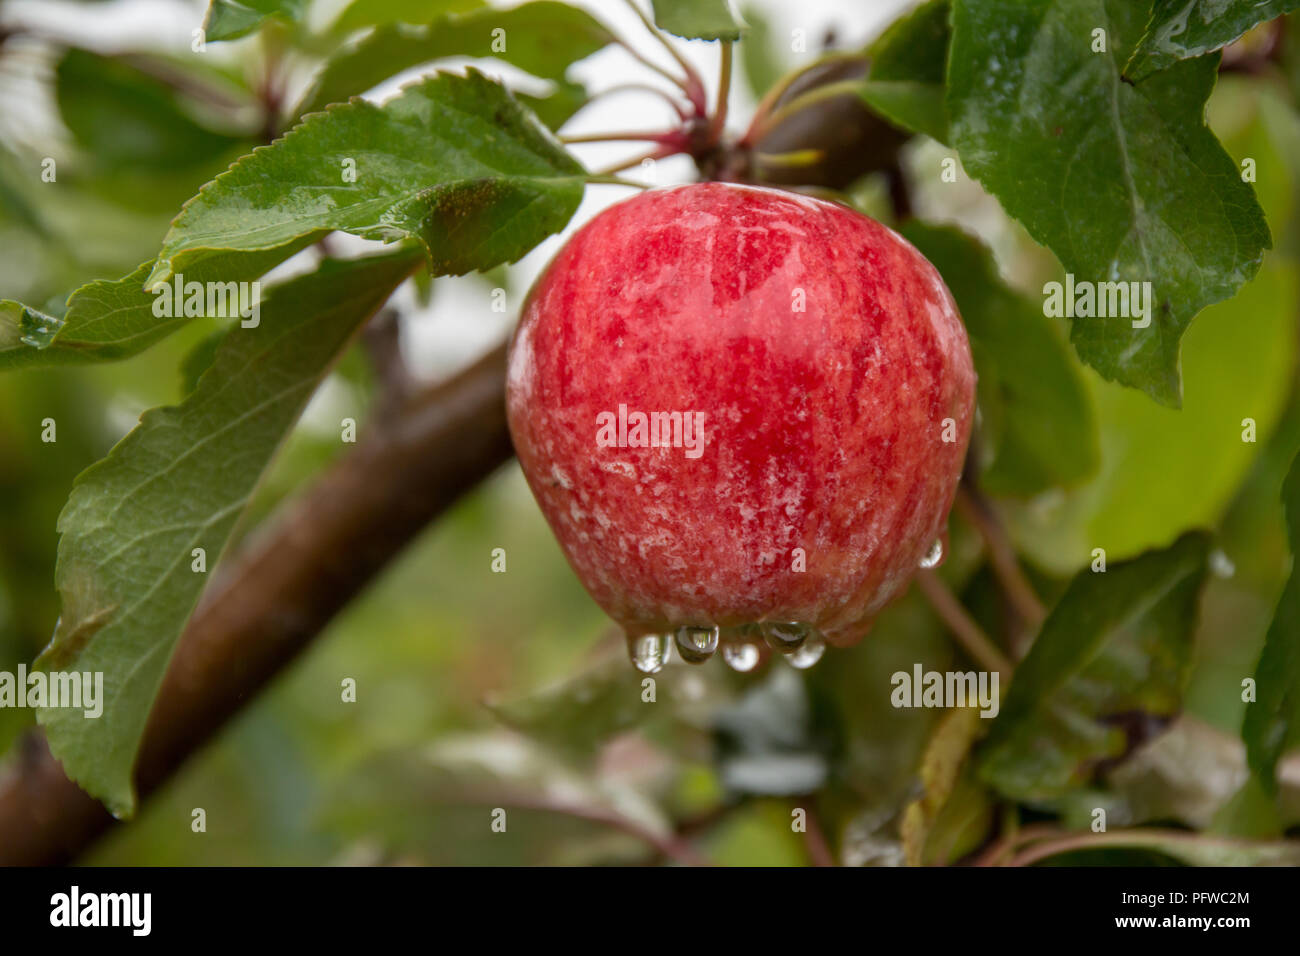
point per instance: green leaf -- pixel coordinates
(698, 19)
(1272, 723)
(179, 481)
(107, 320)
(232, 19)
(543, 38)
(373, 13)
(454, 162)
(945, 755)
(1182, 29)
(555, 108)
(1119, 642)
(1124, 184)
(761, 58)
(908, 64)
(1038, 423)
(126, 118)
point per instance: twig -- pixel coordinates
(719, 121)
(663, 152)
(670, 845)
(268, 603)
(814, 837)
(968, 634)
(977, 510)
(693, 86)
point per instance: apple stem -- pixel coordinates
(665, 138)
(976, 509)
(661, 153)
(693, 85)
(967, 633)
(667, 97)
(719, 120)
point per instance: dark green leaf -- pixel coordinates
(698, 19)
(1124, 184)
(543, 37)
(1117, 645)
(126, 118)
(1038, 423)
(454, 162)
(908, 66)
(107, 320)
(1182, 29)
(232, 19)
(555, 108)
(179, 481)
(1272, 723)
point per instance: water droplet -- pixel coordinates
(934, 557)
(785, 636)
(649, 652)
(696, 644)
(808, 653)
(741, 656)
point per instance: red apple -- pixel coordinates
(808, 383)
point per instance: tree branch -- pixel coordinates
(267, 604)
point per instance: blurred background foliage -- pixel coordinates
(478, 690)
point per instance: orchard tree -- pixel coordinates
(932, 452)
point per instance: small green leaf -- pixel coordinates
(107, 320)
(373, 13)
(1272, 723)
(177, 482)
(1124, 184)
(1038, 421)
(126, 118)
(1182, 29)
(907, 81)
(543, 38)
(1118, 643)
(232, 19)
(945, 755)
(454, 162)
(698, 19)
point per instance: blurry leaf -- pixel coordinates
(1238, 359)
(555, 108)
(1272, 723)
(767, 741)
(1193, 849)
(232, 19)
(1181, 29)
(1118, 644)
(1186, 774)
(1124, 184)
(698, 19)
(372, 13)
(177, 482)
(962, 825)
(124, 117)
(908, 65)
(454, 162)
(584, 712)
(940, 767)
(1035, 408)
(543, 37)
(761, 59)
(107, 320)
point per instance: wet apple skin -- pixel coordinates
(823, 428)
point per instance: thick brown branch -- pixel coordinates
(278, 594)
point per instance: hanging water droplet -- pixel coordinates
(934, 557)
(808, 653)
(741, 656)
(784, 636)
(696, 644)
(649, 652)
